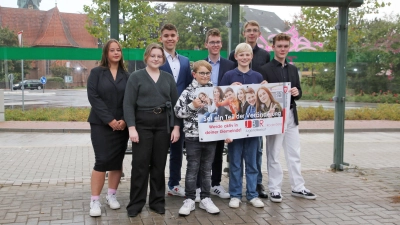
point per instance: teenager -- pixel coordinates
(276, 71)
(179, 67)
(251, 33)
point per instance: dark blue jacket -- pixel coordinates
(224, 66)
(185, 74)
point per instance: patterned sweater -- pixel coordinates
(184, 109)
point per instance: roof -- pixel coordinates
(270, 23)
(50, 28)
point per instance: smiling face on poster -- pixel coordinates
(241, 111)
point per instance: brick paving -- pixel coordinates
(45, 179)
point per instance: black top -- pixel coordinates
(105, 95)
(143, 93)
(273, 72)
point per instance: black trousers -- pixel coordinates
(148, 160)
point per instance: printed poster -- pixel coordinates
(241, 111)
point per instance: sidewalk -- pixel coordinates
(45, 179)
(305, 126)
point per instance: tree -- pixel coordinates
(140, 22)
(195, 19)
(9, 39)
(318, 23)
(59, 71)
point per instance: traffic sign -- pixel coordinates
(10, 76)
(43, 80)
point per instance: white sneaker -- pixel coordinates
(95, 209)
(220, 191)
(198, 190)
(256, 202)
(178, 190)
(188, 206)
(234, 203)
(208, 205)
(112, 201)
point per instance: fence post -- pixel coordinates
(2, 117)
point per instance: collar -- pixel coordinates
(278, 64)
(167, 54)
(256, 48)
(209, 60)
(241, 73)
(196, 84)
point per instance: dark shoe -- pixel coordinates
(133, 214)
(158, 211)
(275, 197)
(304, 194)
(261, 191)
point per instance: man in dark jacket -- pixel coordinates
(277, 71)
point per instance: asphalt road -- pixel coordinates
(78, 98)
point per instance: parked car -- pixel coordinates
(29, 84)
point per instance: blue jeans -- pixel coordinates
(259, 160)
(239, 149)
(199, 156)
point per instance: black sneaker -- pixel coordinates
(261, 191)
(304, 194)
(275, 197)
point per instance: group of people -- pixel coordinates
(157, 108)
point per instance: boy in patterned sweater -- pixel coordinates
(199, 155)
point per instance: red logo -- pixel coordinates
(285, 89)
(248, 124)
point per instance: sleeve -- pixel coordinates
(223, 103)
(212, 107)
(184, 107)
(232, 57)
(174, 98)
(189, 77)
(99, 107)
(130, 98)
(297, 84)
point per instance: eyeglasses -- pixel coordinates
(203, 74)
(214, 43)
(252, 30)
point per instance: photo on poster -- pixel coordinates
(240, 111)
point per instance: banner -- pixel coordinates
(241, 111)
(20, 38)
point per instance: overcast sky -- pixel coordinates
(76, 6)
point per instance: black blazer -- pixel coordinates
(105, 95)
(271, 72)
(224, 66)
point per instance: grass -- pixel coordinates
(382, 112)
(48, 114)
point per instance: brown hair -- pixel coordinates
(212, 32)
(251, 23)
(104, 55)
(200, 63)
(168, 26)
(148, 51)
(250, 90)
(281, 37)
(220, 91)
(270, 96)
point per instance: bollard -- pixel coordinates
(2, 117)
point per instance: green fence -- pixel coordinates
(11, 53)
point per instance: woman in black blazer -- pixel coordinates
(106, 88)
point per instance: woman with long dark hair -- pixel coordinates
(105, 89)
